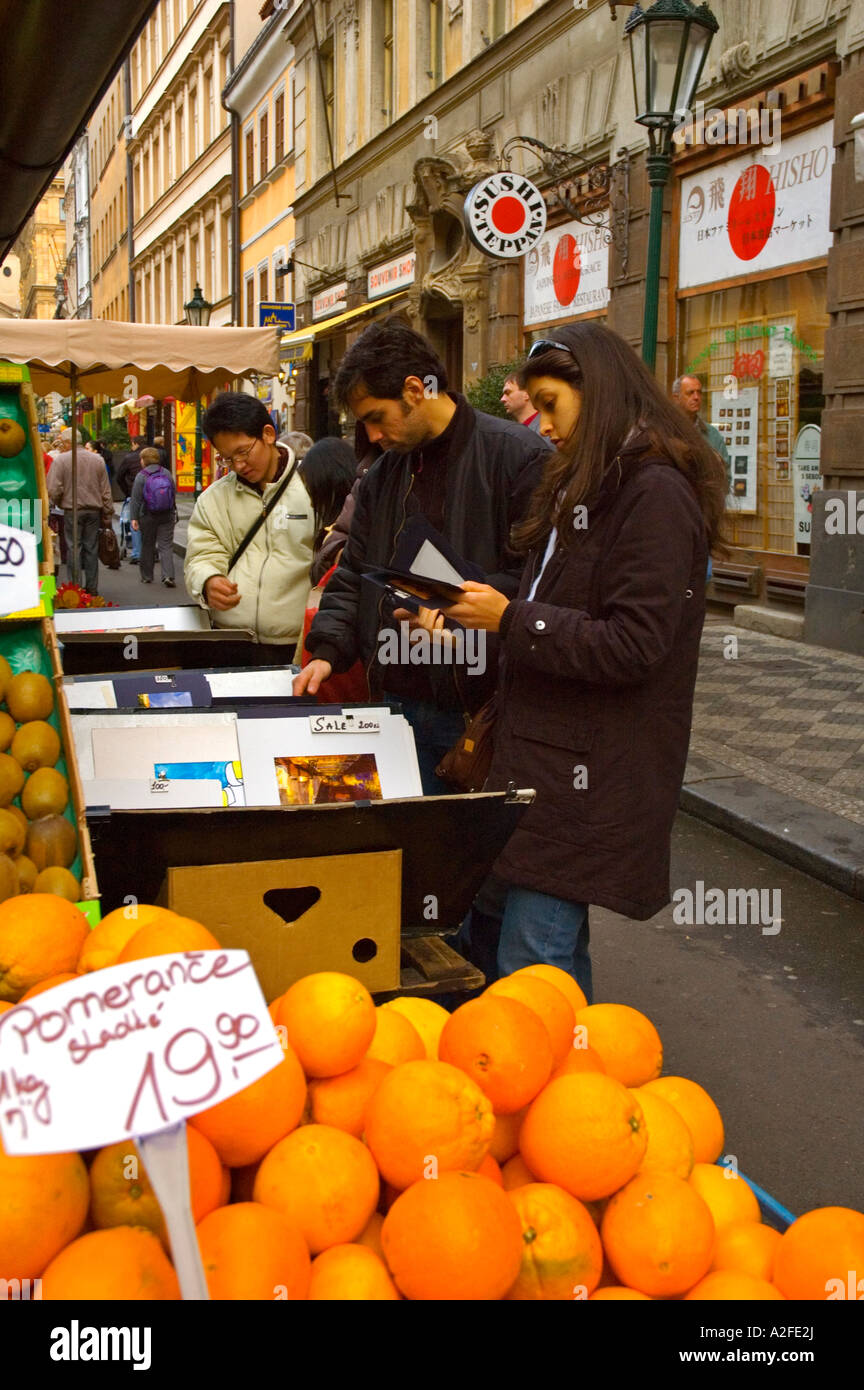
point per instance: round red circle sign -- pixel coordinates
(752, 208)
(566, 269)
(505, 215)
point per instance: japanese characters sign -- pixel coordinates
(765, 209)
(567, 274)
(131, 1050)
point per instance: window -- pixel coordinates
(180, 134)
(137, 186)
(436, 42)
(194, 262)
(157, 168)
(210, 291)
(250, 158)
(145, 181)
(194, 142)
(278, 280)
(181, 284)
(209, 124)
(225, 239)
(263, 283)
(264, 141)
(389, 103)
(250, 301)
(169, 162)
(169, 290)
(327, 73)
(279, 128)
(157, 293)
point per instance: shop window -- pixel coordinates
(758, 349)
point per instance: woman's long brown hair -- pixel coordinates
(619, 394)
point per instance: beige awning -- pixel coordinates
(134, 359)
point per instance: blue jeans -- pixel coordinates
(435, 731)
(510, 927)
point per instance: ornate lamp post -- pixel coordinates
(198, 316)
(669, 44)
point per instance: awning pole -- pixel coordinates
(74, 566)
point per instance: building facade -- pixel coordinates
(109, 212)
(41, 252)
(76, 177)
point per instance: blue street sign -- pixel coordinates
(273, 315)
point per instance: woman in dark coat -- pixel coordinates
(598, 651)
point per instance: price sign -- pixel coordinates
(19, 571)
(131, 1050)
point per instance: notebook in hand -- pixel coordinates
(427, 572)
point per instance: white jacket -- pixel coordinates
(272, 575)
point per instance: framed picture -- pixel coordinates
(781, 387)
(781, 436)
(783, 409)
(782, 470)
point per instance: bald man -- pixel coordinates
(687, 395)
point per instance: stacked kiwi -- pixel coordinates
(37, 843)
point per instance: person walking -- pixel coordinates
(153, 513)
(687, 395)
(470, 476)
(95, 505)
(518, 405)
(599, 653)
(250, 537)
(127, 471)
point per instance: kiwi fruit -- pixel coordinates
(35, 745)
(59, 881)
(45, 793)
(5, 675)
(9, 886)
(12, 833)
(11, 779)
(51, 843)
(19, 816)
(29, 696)
(7, 729)
(27, 873)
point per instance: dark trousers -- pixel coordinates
(88, 546)
(157, 531)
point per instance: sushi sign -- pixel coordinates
(567, 274)
(505, 215)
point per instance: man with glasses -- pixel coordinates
(250, 537)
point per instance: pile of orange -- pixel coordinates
(524, 1147)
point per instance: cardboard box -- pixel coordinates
(347, 910)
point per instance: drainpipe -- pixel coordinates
(130, 185)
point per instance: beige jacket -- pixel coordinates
(272, 574)
(94, 489)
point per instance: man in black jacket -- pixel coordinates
(471, 476)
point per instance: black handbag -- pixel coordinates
(466, 766)
(109, 550)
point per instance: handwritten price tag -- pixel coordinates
(131, 1050)
(19, 571)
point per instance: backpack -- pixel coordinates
(158, 491)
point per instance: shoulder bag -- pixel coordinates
(466, 766)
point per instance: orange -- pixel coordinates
(351, 1272)
(243, 1127)
(46, 984)
(551, 1006)
(728, 1195)
(489, 1169)
(5, 1005)
(616, 1293)
(457, 1238)
(426, 1016)
(505, 1135)
(342, 1101)
(817, 1254)
(658, 1235)
(747, 1248)
(586, 1133)
(396, 1040)
(330, 1022)
(107, 939)
(579, 1059)
(324, 1181)
(253, 1252)
(503, 1046)
(562, 1257)
(427, 1118)
(698, 1112)
(124, 1264)
(732, 1284)
(40, 935)
(122, 1195)
(670, 1143)
(169, 938)
(560, 979)
(628, 1043)
(43, 1205)
(516, 1173)
(273, 1009)
(371, 1234)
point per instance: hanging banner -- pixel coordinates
(766, 209)
(567, 274)
(185, 449)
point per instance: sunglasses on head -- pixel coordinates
(547, 345)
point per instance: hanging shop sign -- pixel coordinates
(275, 315)
(806, 481)
(384, 279)
(505, 215)
(737, 419)
(567, 273)
(759, 212)
(330, 301)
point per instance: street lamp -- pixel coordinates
(669, 44)
(198, 313)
